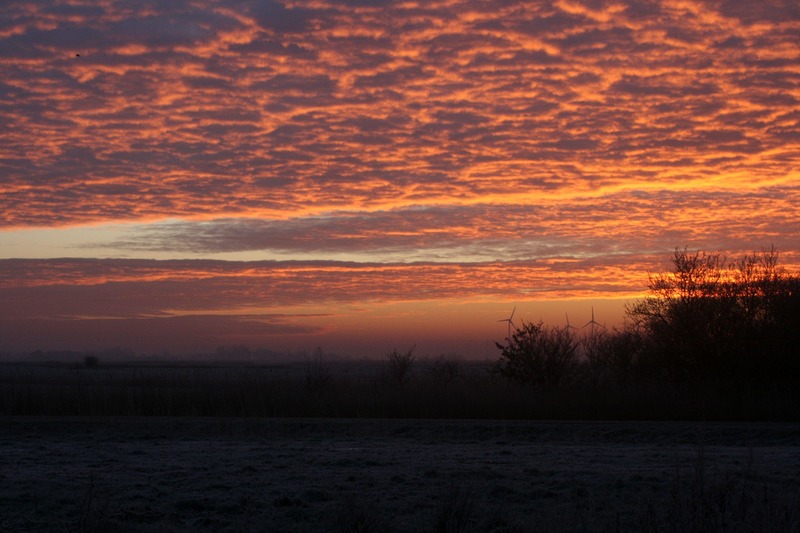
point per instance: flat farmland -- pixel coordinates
(285, 474)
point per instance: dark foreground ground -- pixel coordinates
(227, 474)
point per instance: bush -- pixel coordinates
(614, 356)
(536, 354)
(399, 365)
(445, 368)
(317, 375)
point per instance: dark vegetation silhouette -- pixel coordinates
(537, 354)
(714, 339)
(710, 322)
(445, 368)
(317, 374)
(714, 321)
(399, 365)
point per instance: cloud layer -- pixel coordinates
(445, 150)
(199, 304)
(284, 109)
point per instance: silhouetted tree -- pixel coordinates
(399, 365)
(683, 315)
(772, 304)
(613, 356)
(711, 318)
(317, 375)
(445, 368)
(536, 354)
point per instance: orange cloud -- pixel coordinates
(239, 110)
(78, 303)
(563, 140)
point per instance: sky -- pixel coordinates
(363, 175)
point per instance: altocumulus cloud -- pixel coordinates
(554, 229)
(453, 149)
(274, 109)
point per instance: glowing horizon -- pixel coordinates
(338, 155)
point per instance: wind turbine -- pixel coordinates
(569, 326)
(510, 323)
(593, 323)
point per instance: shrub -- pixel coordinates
(536, 354)
(445, 368)
(614, 356)
(317, 375)
(399, 365)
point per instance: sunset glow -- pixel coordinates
(358, 174)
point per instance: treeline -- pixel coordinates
(711, 323)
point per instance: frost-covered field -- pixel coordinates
(176, 474)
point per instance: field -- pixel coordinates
(223, 449)
(231, 474)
